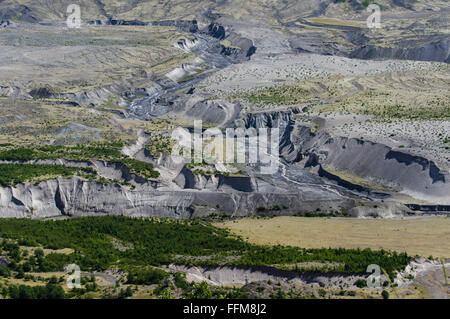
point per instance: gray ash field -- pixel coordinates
(88, 117)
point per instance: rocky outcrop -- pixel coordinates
(19, 12)
(348, 185)
(377, 163)
(188, 196)
(438, 51)
(239, 48)
(109, 170)
(434, 51)
(191, 195)
(187, 44)
(187, 180)
(383, 210)
(429, 208)
(13, 91)
(42, 93)
(3, 262)
(126, 22)
(281, 120)
(184, 25)
(209, 111)
(407, 173)
(76, 197)
(216, 31)
(235, 275)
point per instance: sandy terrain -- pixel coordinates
(421, 236)
(286, 68)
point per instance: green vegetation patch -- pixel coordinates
(352, 260)
(160, 144)
(159, 242)
(387, 106)
(13, 174)
(147, 276)
(403, 112)
(49, 291)
(190, 76)
(318, 213)
(109, 152)
(278, 95)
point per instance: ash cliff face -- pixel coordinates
(410, 174)
(311, 162)
(302, 184)
(75, 197)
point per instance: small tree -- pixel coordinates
(385, 294)
(201, 291)
(360, 283)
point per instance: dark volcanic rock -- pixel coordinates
(216, 31)
(436, 51)
(185, 179)
(127, 22)
(41, 93)
(407, 4)
(208, 112)
(241, 184)
(408, 159)
(3, 262)
(281, 120)
(185, 25)
(18, 12)
(412, 174)
(429, 208)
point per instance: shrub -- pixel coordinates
(361, 283)
(146, 276)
